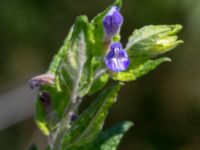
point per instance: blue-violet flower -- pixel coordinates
(112, 22)
(117, 59)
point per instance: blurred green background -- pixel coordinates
(164, 105)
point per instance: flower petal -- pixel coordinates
(117, 59)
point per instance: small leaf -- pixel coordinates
(107, 140)
(138, 68)
(90, 123)
(153, 40)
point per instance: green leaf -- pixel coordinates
(73, 75)
(99, 83)
(153, 40)
(74, 72)
(90, 123)
(57, 59)
(59, 98)
(138, 68)
(47, 121)
(107, 140)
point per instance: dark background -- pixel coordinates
(164, 105)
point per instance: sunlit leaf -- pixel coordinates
(153, 40)
(99, 83)
(138, 68)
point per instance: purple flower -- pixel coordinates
(73, 116)
(45, 98)
(117, 59)
(112, 22)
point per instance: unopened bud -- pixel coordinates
(44, 79)
(112, 22)
(73, 116)
(45, 98)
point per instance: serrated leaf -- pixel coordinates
(90, 122)
(153, 40)
(138, 68)
(107, 140)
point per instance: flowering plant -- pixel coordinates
(90, 56)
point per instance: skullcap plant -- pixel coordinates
(90, 56)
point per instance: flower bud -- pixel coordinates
(45, 98)
(72, 116)
(39, 80)
(112, 22)
(117, 59)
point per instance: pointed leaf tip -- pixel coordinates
(153, 40)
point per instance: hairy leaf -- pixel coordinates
(74, 72)
(153, 40)
(72, 69)
(138, 68)
(107, 140)
(90, 123)
(99, 83)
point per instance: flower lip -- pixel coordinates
(117, 59)
(112, 22)
(116, 45)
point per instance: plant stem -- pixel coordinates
(65, 123)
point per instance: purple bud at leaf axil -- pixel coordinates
(112, 22)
